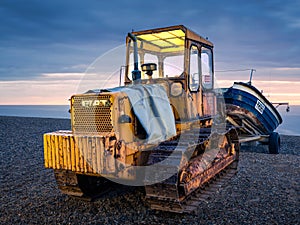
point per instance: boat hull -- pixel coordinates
(247, 107)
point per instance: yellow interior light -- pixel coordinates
(165, 41)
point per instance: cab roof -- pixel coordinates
(168, 39)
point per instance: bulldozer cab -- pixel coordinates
(178, 56)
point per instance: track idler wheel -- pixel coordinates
(81, 186)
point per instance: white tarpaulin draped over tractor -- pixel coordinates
(151, 105)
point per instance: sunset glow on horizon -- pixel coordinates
(57, 88)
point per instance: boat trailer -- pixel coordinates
(253, 115)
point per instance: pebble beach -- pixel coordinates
(266, 189)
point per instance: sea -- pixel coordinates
(42, 111)
(291, 120)
(290, 125)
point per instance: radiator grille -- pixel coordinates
(92, 113)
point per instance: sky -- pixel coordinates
(46, 47)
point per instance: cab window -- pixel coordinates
(206, 68)
(173, 65)
(150, 58)
(194, 69)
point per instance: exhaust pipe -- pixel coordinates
(136, 73)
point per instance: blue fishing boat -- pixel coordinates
(255, 116)
(246, 102)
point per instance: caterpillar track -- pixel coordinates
(84, 187)
(213, 160)
(202, 162)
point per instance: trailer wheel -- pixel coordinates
(274, 143)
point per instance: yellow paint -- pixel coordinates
(55, 152)
(77, 154)
(46, 163)
(60, 152)
(73, 154)
(98, 155)
(64, 151)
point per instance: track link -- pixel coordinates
(191, 203)
(189, 158)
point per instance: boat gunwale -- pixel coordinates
(263, 97)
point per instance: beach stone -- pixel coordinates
(264, 191)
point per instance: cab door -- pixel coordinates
(194, 91)
(207, 82)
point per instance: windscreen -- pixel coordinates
(165, 49)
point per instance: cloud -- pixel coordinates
(253, 32)
(54, 88)
(274, 90)
(60, 37)
(288, 69)
(261, 74)
(48, 89)
(62, 76)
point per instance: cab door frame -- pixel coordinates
(194, 100)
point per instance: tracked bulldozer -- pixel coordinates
(164, 129)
